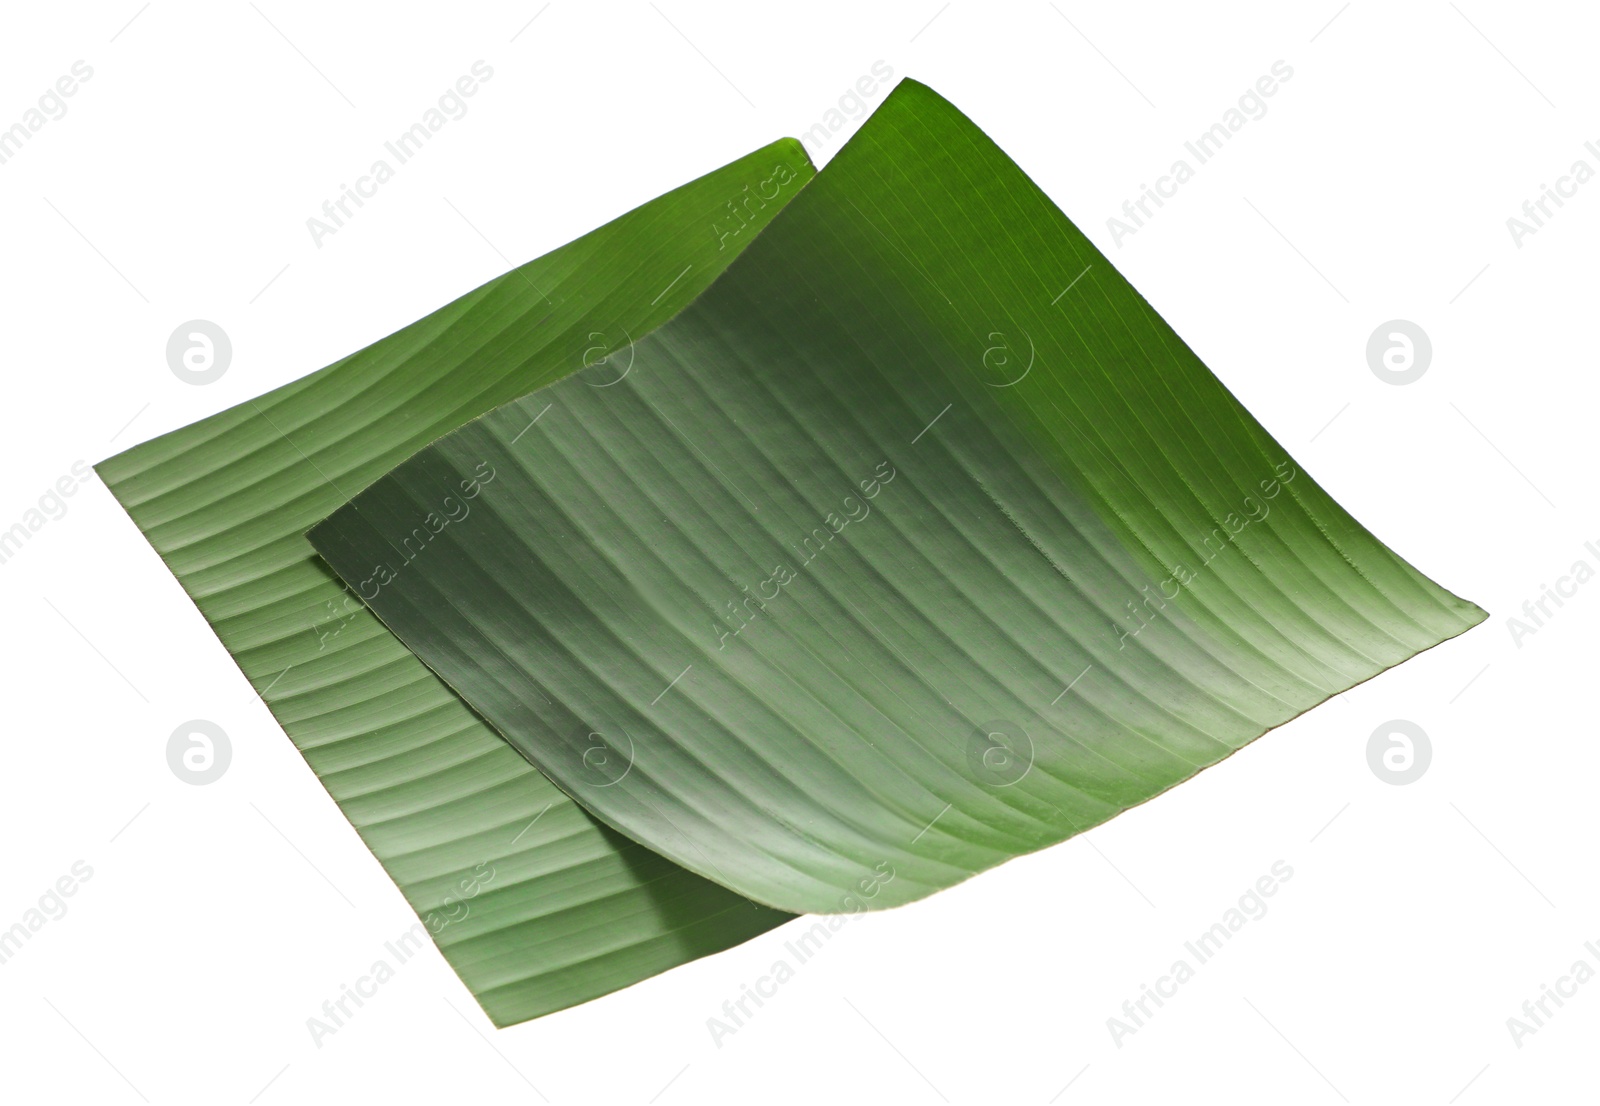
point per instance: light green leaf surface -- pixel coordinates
(916, 543)
(535, 904)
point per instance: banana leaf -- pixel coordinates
(535, 903)
(917, 542)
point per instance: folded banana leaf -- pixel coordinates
(917, 542)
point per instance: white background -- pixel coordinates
(1419, 918)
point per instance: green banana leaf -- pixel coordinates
(535, 904)
(917, 542)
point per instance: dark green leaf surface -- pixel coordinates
(916, 543)
(535, 904)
